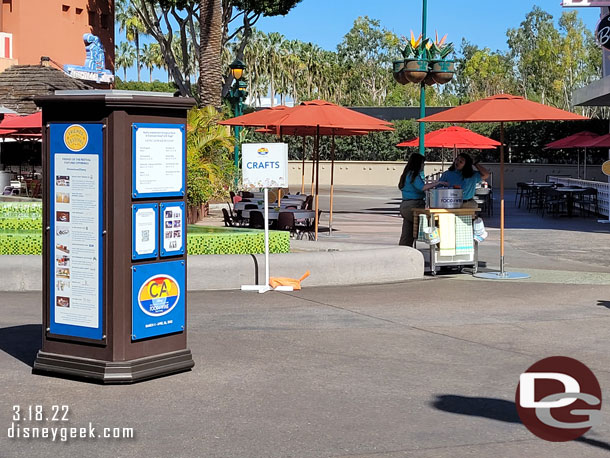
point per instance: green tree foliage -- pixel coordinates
(155, 86)
(130, 23)
(210, 171)
(125, 55)
(179, 43)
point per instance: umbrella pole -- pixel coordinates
(313, 165)
(303, 168)
(502, 273)
(584, 165)
(577, 164)
(332, 181)
(317, 177)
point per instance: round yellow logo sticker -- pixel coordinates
(606, 168)
(76, 138)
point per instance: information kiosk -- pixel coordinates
(114, 244)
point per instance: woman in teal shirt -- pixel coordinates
(463, 174)
(412, 184)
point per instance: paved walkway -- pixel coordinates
(426, 368)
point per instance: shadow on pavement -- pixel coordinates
(494, 409)
(604, 304)
(22, 342)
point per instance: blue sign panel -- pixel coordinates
(172, 229)
(158, 160)
(144, 240)
(76, 226)
(158, 299)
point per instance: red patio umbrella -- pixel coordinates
(502, 108)
(30, 122)
(258, 118)
(454, 137)
(602, 141)
(325, 118)
(577, 140)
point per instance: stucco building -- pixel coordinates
(30, 29)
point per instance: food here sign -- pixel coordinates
(265, 165)
(573, 3)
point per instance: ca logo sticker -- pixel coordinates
(158, 295)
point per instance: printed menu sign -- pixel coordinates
(172, 228)
(158, 160)
(75, 224)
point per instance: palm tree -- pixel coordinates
(129, 22)
(148, 59)
(210, 39)
(125, 55)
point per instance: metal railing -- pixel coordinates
(603, 189)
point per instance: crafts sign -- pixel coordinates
(265, 165)
(602, 32)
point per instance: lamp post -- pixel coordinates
(424, 63)
(237, 95)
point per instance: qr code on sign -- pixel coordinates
(145, 236)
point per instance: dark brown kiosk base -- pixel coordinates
(114, 304)
(114, 372)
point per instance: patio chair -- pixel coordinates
(482, 196)
(535, 199)
(521, 190)
(587, 202)
(285, 222)
(256, 220)
(307, 228)
(227, 218)
(307, 203)
(554, 202)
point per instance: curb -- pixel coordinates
(330, 264)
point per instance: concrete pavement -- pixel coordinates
(422, 368)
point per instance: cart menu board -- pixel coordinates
(75, 239)
(158, 160)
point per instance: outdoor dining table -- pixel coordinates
(570, 192)
(273, 213)
(285, 203)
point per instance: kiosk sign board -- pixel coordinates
(158, 160)
(265, 165)
(158, 299)
(75, 227)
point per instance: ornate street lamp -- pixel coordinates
(237, 95)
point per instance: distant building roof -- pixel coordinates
(19, 85)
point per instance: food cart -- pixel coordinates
(457, 246)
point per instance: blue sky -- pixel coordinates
(483, 22)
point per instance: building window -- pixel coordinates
(79, 10)
(104, 21)
(92, 18)
(65, 8)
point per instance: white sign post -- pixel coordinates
(265, 165)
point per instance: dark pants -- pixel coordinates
(406, 211)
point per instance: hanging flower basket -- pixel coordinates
(416, 70)
(429, 79)
(442, 71)
(399, 72)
